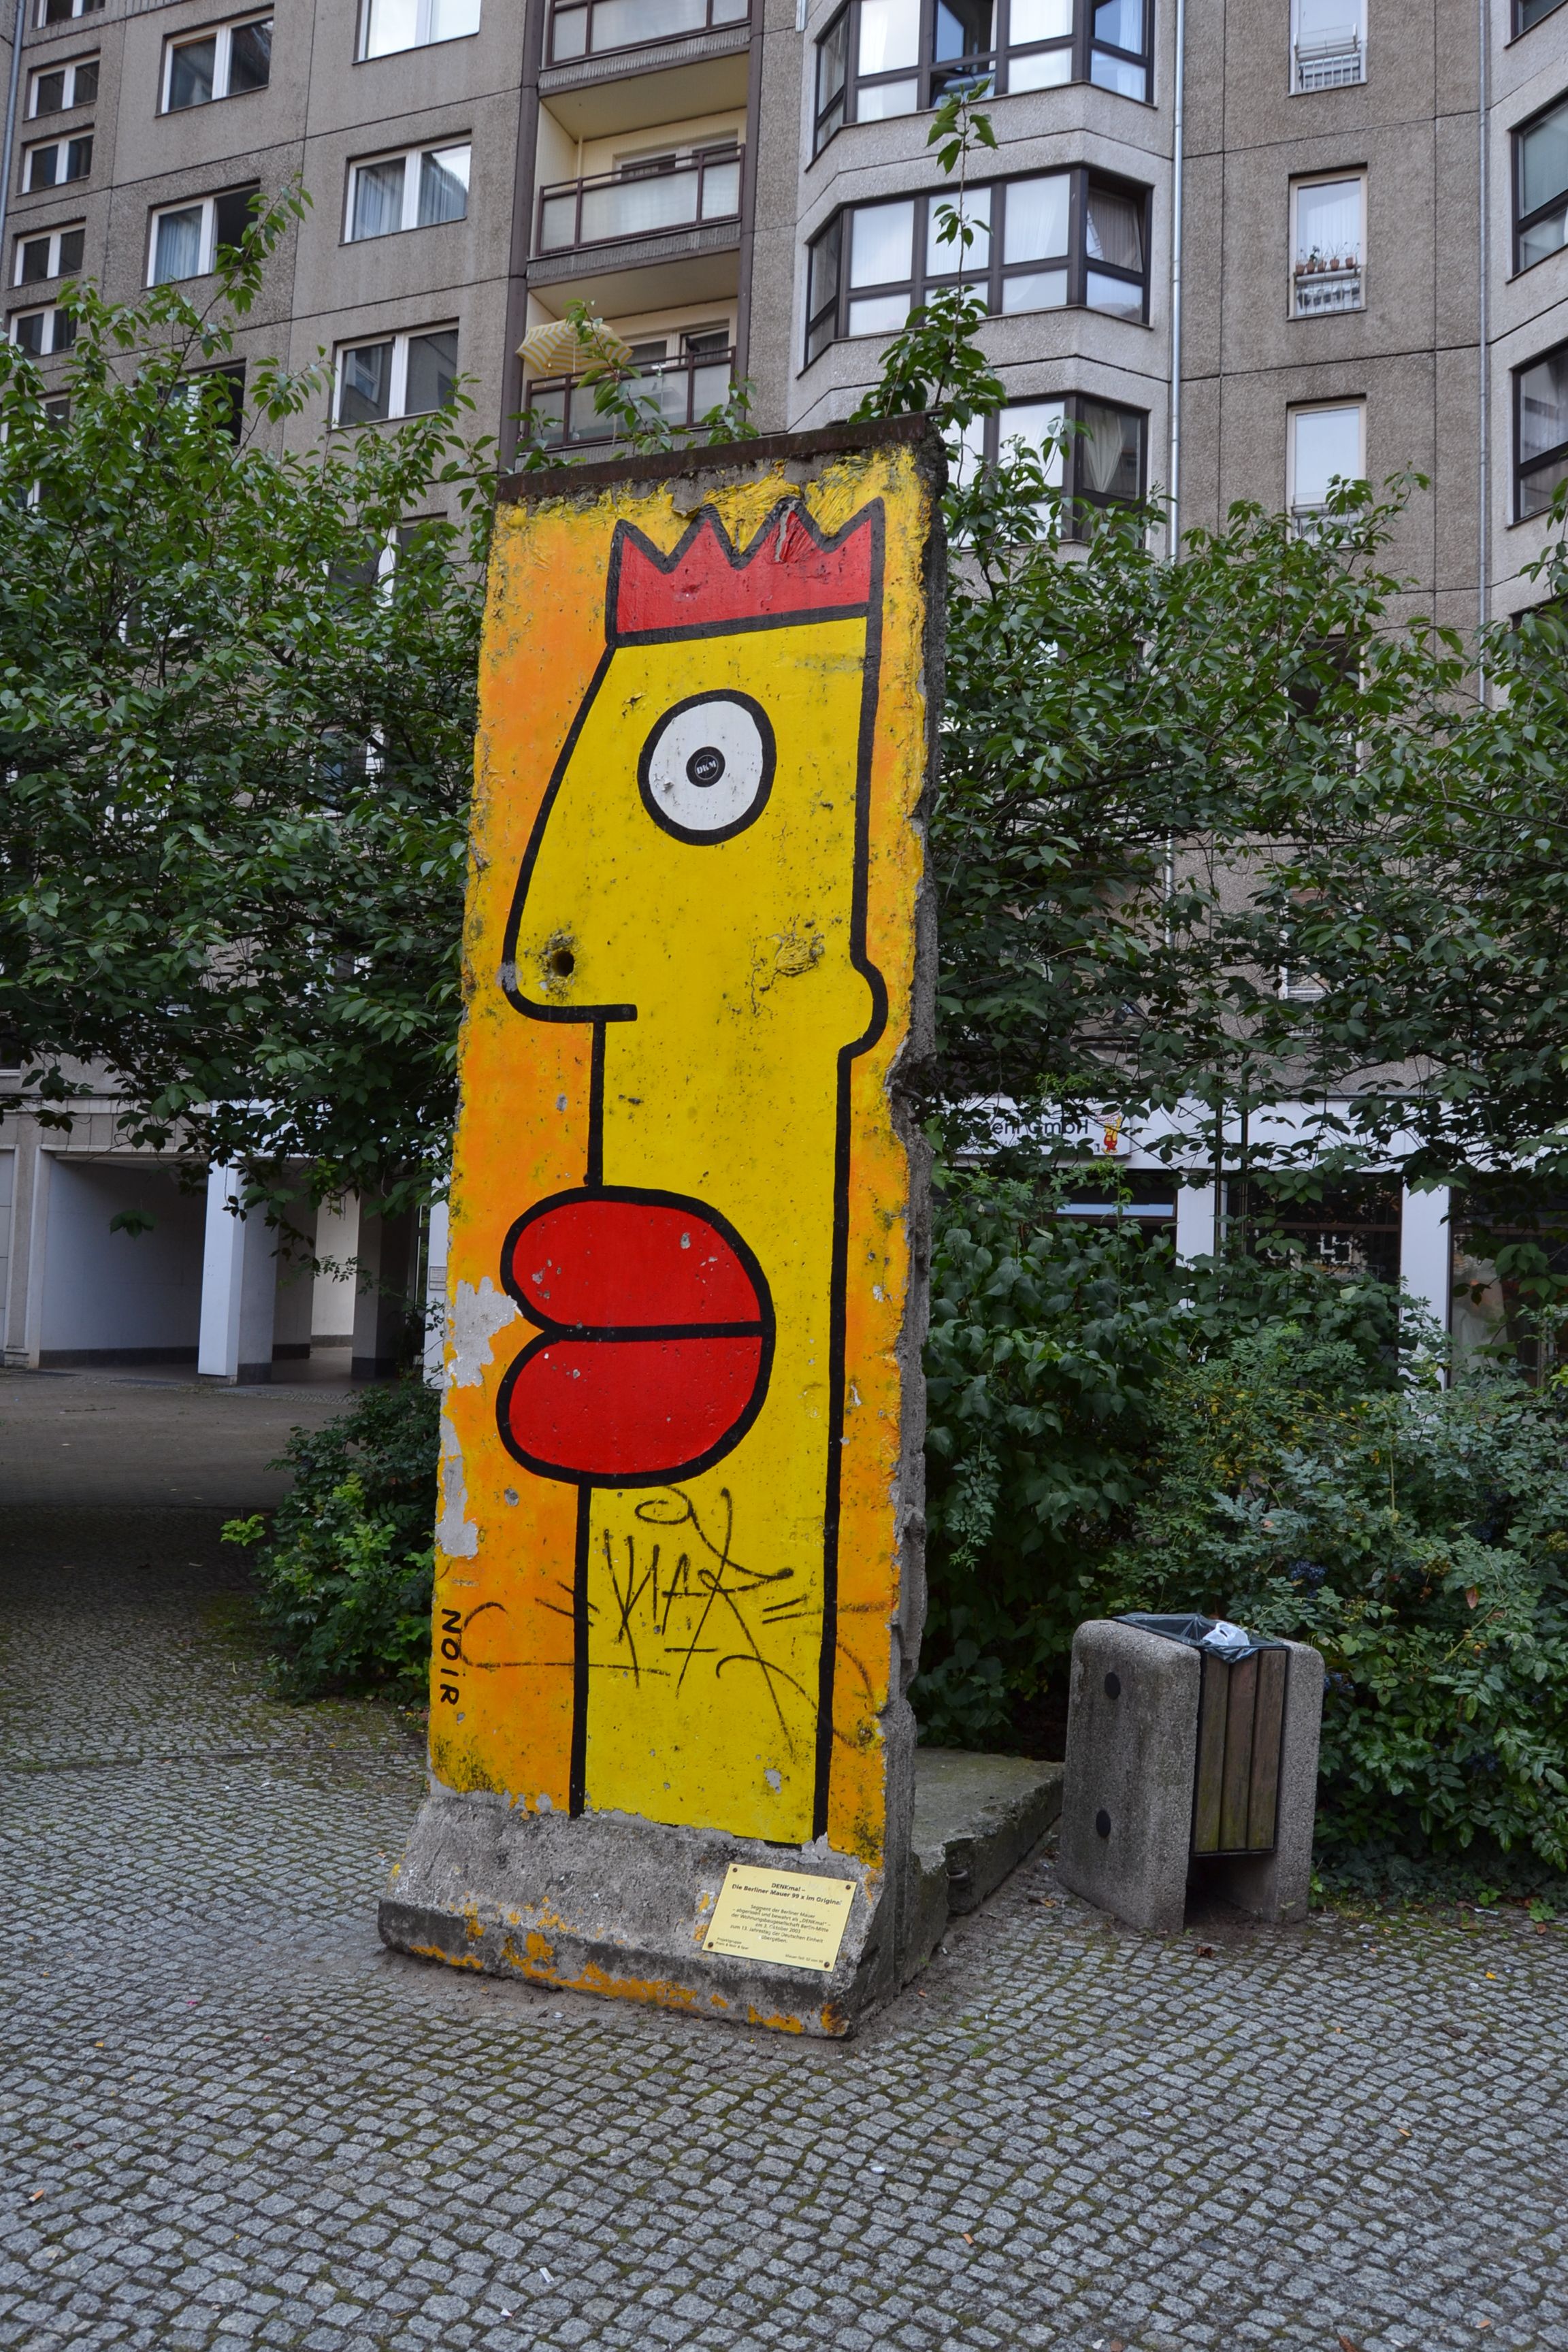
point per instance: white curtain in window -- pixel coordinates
(378, 199)
(1542, 407)
(889, 34)
(178, 250)
(942, 260)
(1327, 24)
(1039, 20)
(1037, 219)
(1106, 442)
(881, 248)
(393, 25)
(1327, 442)
(1115, 230)
(1036, 426)
(1328, 221)
(444, 186)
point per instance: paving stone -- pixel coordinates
(253, 2125)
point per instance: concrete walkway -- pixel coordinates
(232, 2119)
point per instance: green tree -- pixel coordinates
(237, 709)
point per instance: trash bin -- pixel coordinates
(1192, 1753)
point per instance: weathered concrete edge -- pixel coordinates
(977, 1864)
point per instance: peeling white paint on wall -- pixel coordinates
(456, 1534)
(477, 1315)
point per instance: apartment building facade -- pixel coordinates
(1244, 245)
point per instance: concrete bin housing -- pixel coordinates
(1184, 1767)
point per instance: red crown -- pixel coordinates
(788, 572)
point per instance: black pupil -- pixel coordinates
(706, 766)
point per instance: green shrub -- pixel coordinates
(345, 1573)
(1267, 1441)
(1418, 1537)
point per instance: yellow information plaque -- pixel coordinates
(780, 1915)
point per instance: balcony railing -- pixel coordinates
(592, 28)
(1331, 63)
(681, 391)
(691, 194)
(1327, 285)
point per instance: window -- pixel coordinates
(588, 31)
(63, 88)
(416, 191)
(53, 165)
(225, 63)
(62, 12)
(1091, 448)
(223, 388)
(1531, 11)
(1326, 274)
(879, 57)
(1327, 45)
(400, 375)
(56, 254)
(1540, 186)
(1325, 446)
(1541, 430)
(1065, 237)
(185, 237)
(392, 25)
(44, 333)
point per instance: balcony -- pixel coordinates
(680, 391)
(1331, 63)
(602, 28)
(649, 200)
(1324, 286)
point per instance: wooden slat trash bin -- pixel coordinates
(1192, 1755)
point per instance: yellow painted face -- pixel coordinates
(668, 1564)
(692, 892)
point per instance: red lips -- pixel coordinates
(657, 1337)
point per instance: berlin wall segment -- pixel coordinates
(679, 1561)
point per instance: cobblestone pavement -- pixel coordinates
(232, 2119)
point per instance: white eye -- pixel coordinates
(708, 767)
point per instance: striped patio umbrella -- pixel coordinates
(559, 348)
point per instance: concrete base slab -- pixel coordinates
(613, 1904)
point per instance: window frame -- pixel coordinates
(1075, 493)
(71, 67)
(1300, 511)
(42, 19)
(29, 187)
(424, 12)
(1555, 455)
(51, 237)
(232, 371)
(1340, 178)
(932, 76)
(1298, 89)
(1519, 28)
(406, 156)
(1524, 221)
(222, 36)
(52, 312)
(209, 205)
(995, 271)
(397, 412)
